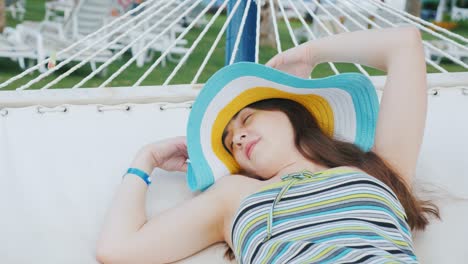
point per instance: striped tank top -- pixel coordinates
(338, 215)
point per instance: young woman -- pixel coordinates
(301, 196)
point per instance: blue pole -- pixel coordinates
(246, 51)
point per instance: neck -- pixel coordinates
(297, 166)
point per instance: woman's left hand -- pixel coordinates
(297, 61)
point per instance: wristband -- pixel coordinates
(143, 175)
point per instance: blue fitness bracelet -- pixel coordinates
(143, 175)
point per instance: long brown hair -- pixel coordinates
(326, 151)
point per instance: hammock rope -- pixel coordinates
(148, 30)
(84, 40)
(194, 45)
(312, 35)
(342, 26)
(391, 24)
(153, 41)
(215, 43)
(461, 63)
(275, 26)
(134, 20)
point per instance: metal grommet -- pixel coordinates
(464, 91)
(166, 106)
(434, 92)
(3, 112)
(38, 109)
(102, 108)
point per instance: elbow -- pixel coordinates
(103, 255)
(412, 34)
(115, 254)
(108, 254)
(408, 48)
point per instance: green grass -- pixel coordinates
(35, 11)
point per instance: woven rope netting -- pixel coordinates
(150, 24)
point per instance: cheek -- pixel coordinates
(281, 138)
(279, 130)
(240, 158)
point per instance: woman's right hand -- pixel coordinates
(169, 154)
(297, 61)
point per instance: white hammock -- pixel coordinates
(63, 151)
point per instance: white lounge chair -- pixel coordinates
(16, 8)
(459, 13)
(57, 34)
(451, 49)
(362, 15)
(163, 42)
(22, 44)
(55, 40)
(59, 10)
(456, 12)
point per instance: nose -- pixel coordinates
(239, 138)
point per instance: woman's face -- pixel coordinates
(261, 141)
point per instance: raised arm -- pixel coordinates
(397, 51)
(129, 237)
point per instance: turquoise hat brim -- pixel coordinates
(364, 97)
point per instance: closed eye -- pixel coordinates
(243, 122)
(245, 119)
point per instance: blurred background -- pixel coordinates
(34, 29)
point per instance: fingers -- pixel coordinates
(272, 62)
(184, 167)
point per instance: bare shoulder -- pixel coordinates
(235, 179)
(234, 189)
(236, 185)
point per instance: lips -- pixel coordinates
(249, 147)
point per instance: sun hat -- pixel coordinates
(345, 106)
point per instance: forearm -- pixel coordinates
(127, 213)
(374, 48)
